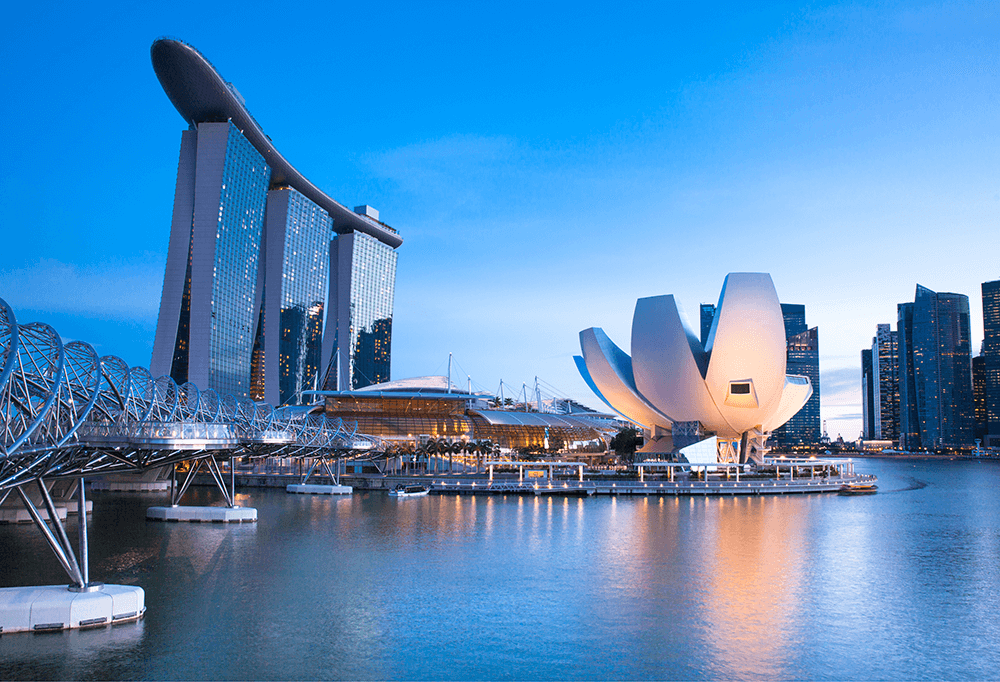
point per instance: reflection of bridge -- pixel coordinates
(67, 413)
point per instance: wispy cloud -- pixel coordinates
(112, 290)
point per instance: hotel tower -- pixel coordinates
(259, 259)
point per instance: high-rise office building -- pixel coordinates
(252, 257)
(885, 383)
(867, 395)
(802, 358)
(991, 359)
(935, 371)
(981, 424)
(707, 315)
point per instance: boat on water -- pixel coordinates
(409, 491)
(858, 489)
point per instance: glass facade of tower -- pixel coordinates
(707, 316)
(245, 179)
(373, 285)
(938, 371)
(250, 279)
(303, 290)
(802, 359)
(867, 395)
(991, 355)
(885, 375)
(980, 428)
(909, 423)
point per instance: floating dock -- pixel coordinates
(202, 514)
(58, 607)
(318, 489)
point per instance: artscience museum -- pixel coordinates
(732, 389)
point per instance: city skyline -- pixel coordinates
(846, 139)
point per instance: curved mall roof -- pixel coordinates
(200, 94)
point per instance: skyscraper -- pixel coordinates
(252, 257)
(991, 359)
(707, 315)
(802, 359)
(867, 395)
(885, 383)
(981, 425)
(359, 325)
(935, 371)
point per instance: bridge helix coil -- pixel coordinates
(188, 402)
(66, 411)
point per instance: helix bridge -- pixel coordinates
(67, 413)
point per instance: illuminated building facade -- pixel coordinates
(991, 359)
(412, 411)
(293, 291)
(885, 385)
(255, 249)
(358, 340)
(205, 328)
(707, 315)
(802, 349)
(935, 371)
(867, 395)
(981, 426)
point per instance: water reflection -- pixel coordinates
(447, 587)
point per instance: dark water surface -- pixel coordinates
(900, 585)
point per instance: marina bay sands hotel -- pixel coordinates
(256, 251)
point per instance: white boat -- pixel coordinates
(409, 491)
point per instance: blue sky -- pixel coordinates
(547, 165)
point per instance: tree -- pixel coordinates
(624, 443)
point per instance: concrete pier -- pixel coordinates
(317, 489)
(202, 514)
(58, 607)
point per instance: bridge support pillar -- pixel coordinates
(82, 603)
(303, 487)
(230, 513)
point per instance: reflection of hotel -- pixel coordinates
(255, 252)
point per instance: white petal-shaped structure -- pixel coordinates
(797, 392)
(668, 361)
(746, 345)
(734, 386)
(610, 370)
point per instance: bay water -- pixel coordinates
(902, 584)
